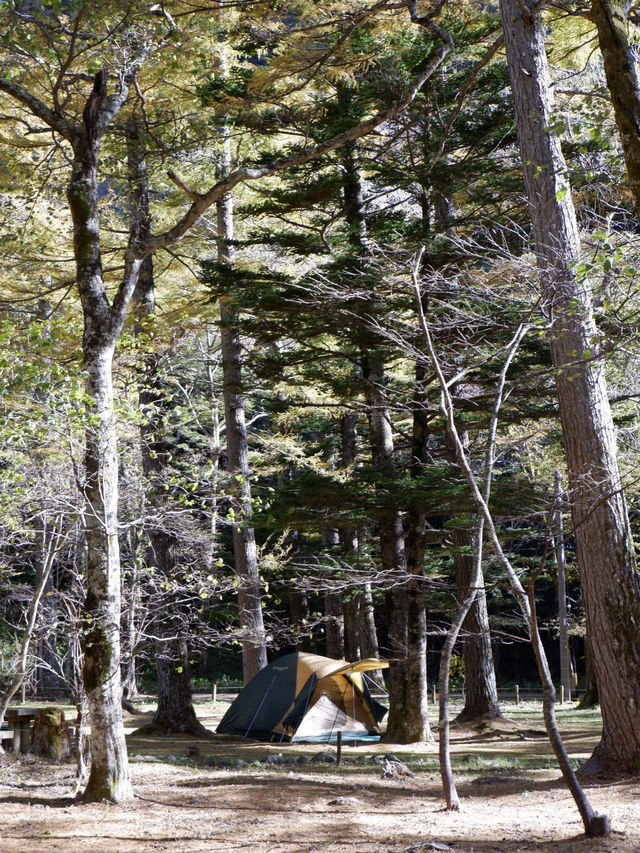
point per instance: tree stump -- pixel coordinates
(50, 736)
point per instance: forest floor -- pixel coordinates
(512, 797)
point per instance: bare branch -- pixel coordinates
(61, 125)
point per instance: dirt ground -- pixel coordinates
(512, 798)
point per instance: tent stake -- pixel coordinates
(339, 748)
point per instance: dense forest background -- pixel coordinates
(260, 215)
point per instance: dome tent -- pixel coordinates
(306, 697)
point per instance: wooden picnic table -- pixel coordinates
(19, 722)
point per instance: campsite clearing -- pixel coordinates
(512, 798)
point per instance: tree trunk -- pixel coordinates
(444, 728)
(103, 322)
(349, 542)
(606, 560)
(589, 698)
(299, 613)
(417, 610)
(130, 680)
(480, 688)
(352, 624)
(252, 633)
(563, 619)
(610, 18)
(174, 712)
(333, 618)
(109, 775)
(215, 448)
(369, 647)
(407, 721)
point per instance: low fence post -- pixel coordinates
(517, 694)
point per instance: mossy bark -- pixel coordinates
(610, 18)
(103, 322)
(50, 736)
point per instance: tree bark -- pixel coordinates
(610, 18)
(333, 618)
(369, 647)
(299, 613)
(416, 589)
(175, 713)
(130, 679)
(406, 721)
(352, 624)
(349, 544)
(606, 559)
(563, 619)
(109, 775)
(589, 698)
(359, 636)
(334, 629)
(252, 634)
(480, 688)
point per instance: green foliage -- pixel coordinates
(314, 292)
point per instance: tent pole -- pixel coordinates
(353, 702)
(375, 684)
